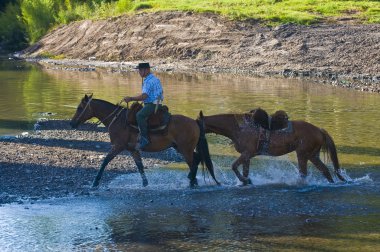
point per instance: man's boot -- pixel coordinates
(143, 141)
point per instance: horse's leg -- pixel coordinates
(302, 166)
(194, 169)
(137, 158)
(246, 171)
(322, 167)
(111, 155)
(192, 161)
(241, 160)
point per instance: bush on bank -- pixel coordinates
(26, 21)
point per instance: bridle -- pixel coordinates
(102, 121)
(84, 110)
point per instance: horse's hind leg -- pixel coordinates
(194, 169)
(302, 166)
(137, 158)
(111, 155)
(192, 161)
(243, 159)
(322, 167)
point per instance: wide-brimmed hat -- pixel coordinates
(143, 65)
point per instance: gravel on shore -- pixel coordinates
(56, 161)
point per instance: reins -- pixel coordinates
(117, 115)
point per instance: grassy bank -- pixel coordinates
(26, 21)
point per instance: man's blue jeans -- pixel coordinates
(142, 118)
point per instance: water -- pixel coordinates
(169, 216)
(277, 213)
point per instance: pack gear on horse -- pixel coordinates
(260, 119)
(277, 121)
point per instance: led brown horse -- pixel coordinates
(249, 138)
(182, 133)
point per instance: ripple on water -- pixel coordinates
(127, 215)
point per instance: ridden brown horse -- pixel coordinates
(182, 133)
(304, 138)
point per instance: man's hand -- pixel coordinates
(127, 99)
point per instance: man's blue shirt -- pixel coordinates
(153, 88)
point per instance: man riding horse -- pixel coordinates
(152, 96)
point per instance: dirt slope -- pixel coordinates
(343, 54)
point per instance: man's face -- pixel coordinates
(143, 72)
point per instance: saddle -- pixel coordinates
(277, 121)
(260, 118)
(156, 122)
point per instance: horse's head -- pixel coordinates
(83, 112)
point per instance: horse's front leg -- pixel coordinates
(137, 158)
(246, 172)
(243, 159)
(111, 155)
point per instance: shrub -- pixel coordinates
(38, 16)
(12, 29)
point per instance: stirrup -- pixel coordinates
(142, 143)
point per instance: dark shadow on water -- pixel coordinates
(16, 124)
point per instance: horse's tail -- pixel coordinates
(202, 148)
(329, 147)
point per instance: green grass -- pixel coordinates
(29, 20)
(270, 12)
(277, 11)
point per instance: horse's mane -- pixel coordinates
(106, 103)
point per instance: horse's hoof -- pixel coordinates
(95, 184)
(194, 183)
(246, 182)
(145, 183)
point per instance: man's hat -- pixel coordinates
(143, 65)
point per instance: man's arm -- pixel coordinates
(136, 98)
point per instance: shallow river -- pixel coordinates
(274, 214)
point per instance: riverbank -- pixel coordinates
(340, 54)
(56, 161)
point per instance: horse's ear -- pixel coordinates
(86, 98)
(200, 114)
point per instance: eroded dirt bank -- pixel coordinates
(341, 54)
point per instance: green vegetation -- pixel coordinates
(49, 55)
(24, 21)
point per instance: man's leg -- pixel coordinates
(142, 121)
